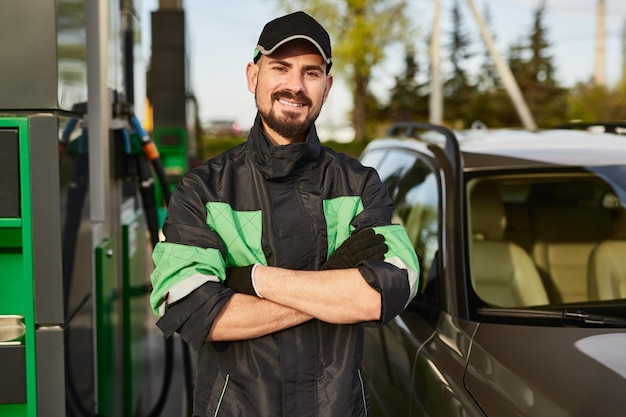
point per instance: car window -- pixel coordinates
(412, 184)
(417, 207)
(546, 239)
(372, 158)
(391, 166)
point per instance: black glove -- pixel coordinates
(364, 244)
(239, 279)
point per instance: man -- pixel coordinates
(279, 250)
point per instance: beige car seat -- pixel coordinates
(607, 265)
(503, 274)
(564, 238)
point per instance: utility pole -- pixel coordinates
(505, 72)
(599, 71)
(435, 108)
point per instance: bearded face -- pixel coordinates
(290, 86)
(289, 123)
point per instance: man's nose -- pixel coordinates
(295, 82)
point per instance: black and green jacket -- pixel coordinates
(285, 206)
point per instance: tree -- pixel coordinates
(407, 100)
(535, 74)
(590, 103)
(458, 91)
(361, 31)
(488, 78)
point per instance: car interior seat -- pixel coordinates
(607, 265)
(565, 232)
(503, 273)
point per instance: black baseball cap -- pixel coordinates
(298, 25)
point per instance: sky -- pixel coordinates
(223, 34)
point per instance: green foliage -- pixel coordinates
(211, 146)
(407, 99)
(458, 90)
(535, 75)
(597, 103)
(352, 148)
(481, 97)
(360, 31)
(459, 43)
(488, 79)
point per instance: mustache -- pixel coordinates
(299, 97)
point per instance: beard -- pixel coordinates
(287, 124)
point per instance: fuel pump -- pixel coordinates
(34, 317)
(120, 311)
(79, 215)
(74, 247)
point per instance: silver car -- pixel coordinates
(521, 238)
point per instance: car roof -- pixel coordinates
(493, 149)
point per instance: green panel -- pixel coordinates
(107, 322)
(10, 223)
(174, 152)
(170, 140)
(13, 410)
(16, 264)
(172, 145)
(10, 237)
(133, 307)
(13, 292)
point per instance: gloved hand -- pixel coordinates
(239, 279)
(364, 244)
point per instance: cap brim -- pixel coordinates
(264, 51)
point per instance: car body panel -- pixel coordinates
(420, 366)
(547, 371)
(522, 149)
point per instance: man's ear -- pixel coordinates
(252, 73)
(329, 84)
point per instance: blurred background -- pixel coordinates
(566, 57)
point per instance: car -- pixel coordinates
(521, 238)
(225, 128)
(339, 132)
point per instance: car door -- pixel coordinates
(415, 364)
(390, 351)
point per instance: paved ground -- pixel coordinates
(175, 403)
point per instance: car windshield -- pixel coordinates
(548, 239)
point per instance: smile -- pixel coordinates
(287, 103)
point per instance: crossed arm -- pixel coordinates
(272, 299)
(339, 296)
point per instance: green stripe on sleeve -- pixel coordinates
(339, 213)
(400, 247)
(240, 231)
(174, 263)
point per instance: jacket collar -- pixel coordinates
(281, 161)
